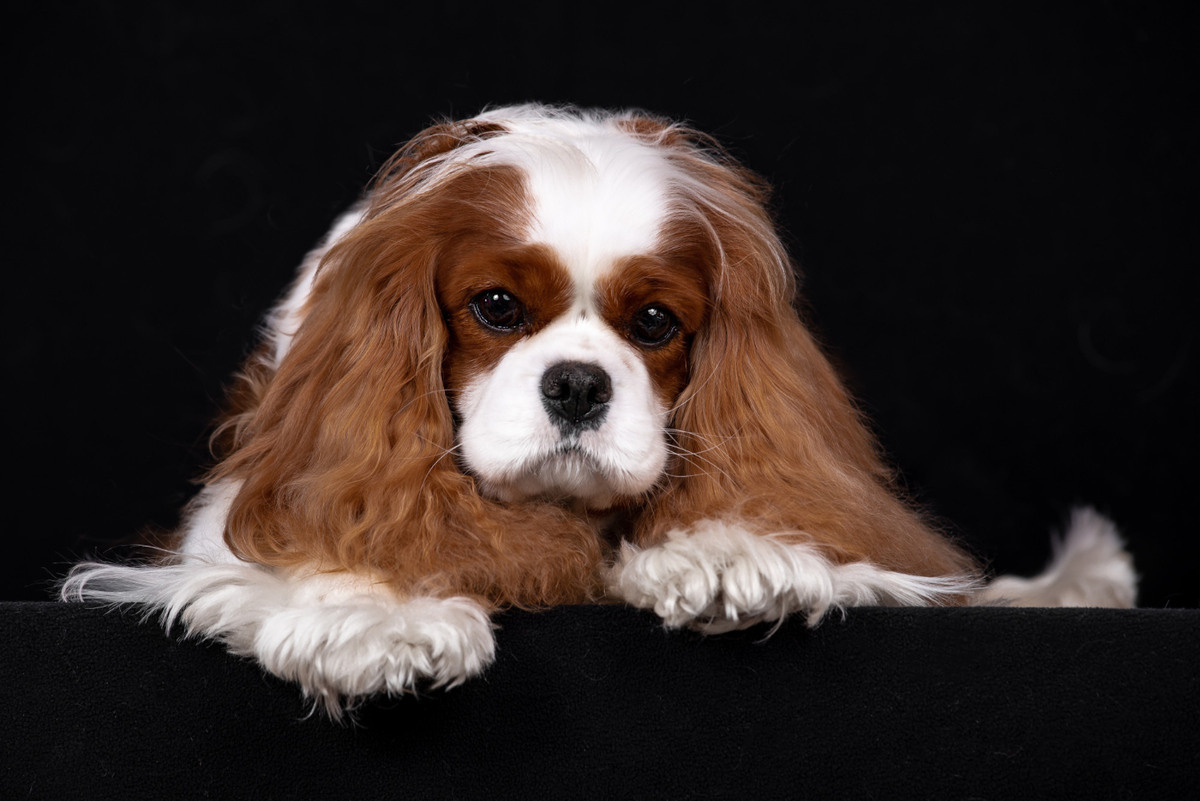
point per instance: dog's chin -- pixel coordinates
(569, 476)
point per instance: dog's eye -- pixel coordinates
(653, 325)
(497, 308)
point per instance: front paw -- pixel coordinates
(344, 651)
(719, 577)
(342, 637)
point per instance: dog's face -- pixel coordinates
(568, 351)
(563, 384)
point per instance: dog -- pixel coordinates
(553, 356)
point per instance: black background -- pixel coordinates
(994, 207)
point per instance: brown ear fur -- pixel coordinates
(766, 431)
(346, 451)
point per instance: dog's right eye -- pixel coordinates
(654, 326)
(498, 309)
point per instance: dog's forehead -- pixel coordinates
(596, 197)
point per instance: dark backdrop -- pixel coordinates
(994, 207)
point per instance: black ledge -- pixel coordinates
(603, 702)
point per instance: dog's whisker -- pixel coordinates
(445, 452)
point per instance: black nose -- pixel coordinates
(576, 394)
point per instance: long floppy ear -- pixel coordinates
(346, 451)
(765, 431)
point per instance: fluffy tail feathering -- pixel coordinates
(1090, 567)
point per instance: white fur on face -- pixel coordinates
(596, 201)
(508, 441)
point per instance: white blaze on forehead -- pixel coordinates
(604, 200)
(597, 193)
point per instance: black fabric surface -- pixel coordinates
(602, 702)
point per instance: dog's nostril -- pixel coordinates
(576, 393)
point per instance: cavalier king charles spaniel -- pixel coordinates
(553, 357)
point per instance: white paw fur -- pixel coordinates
(718, 576)
(342, 638)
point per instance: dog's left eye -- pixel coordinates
(653, 325)
(498, 309)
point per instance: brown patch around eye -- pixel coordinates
(657, 306)
(491, 297)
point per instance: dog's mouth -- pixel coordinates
(570, 474)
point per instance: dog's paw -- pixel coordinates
(718, 577)
(342, 651)
(342, 637)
